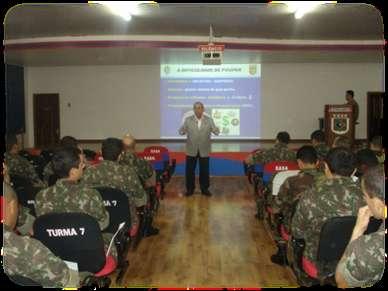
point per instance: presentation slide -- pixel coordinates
(230, 94)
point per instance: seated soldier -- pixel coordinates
(279, 152)
(342, 141)
(68, 195)
(366, 158)
(363, 261)
(109, 173)
(290, 192)
(376, 145)
(359, 145)
(338, 195)
(25, 219)
(66, 141)
(142, 167)
(18, 165)
(318, 142)
(29, 258)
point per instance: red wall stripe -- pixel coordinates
(175, 44)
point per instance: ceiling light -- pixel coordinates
(124, 9)
(300, 8)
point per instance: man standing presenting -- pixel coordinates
(350, 101)
(198, 128)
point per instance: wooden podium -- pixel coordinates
(339, 121)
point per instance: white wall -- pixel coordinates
(294, 94)
(105, 100)
(110, 100)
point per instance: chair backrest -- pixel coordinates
(272, 168)
(25, 191)
(158, 150)
(373, 225)
(74, 237)
(335, 236)
(23, 281)
(155, 159)
(116, 203)
(258, 168)
(34, 151)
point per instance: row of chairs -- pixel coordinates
(334, 236)
(116, 203)
(161, 161)
(163, 165)
(158, 156)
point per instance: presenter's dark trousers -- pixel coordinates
(191, 163)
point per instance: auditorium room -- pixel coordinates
(193, 145)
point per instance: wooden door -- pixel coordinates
(375, 116)
(46, 120)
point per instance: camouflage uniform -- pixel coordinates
(280, 152)
(48, 172)
(67, 196)
(360, 146)
(25, 220)
(18, 165)
(142, 167)
(22, 214)
(322, 149)
(380, 157)
(144, 170)
(290, 192)
(362, 264)
(112, 174)
(355, 109)
(336, 197)
(29, 258)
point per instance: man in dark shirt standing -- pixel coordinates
(350, 101)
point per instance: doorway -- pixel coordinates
(46, 120)
(375, 114)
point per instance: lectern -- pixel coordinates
(338, 122)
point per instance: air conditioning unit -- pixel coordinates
(211, 57)
(211, 54)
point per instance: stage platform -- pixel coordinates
(216, 146)
(225, 159)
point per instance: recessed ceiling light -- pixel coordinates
(300, 8)
(124, 9)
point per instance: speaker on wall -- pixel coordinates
(14, 95)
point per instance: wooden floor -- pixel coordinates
(207, 242)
